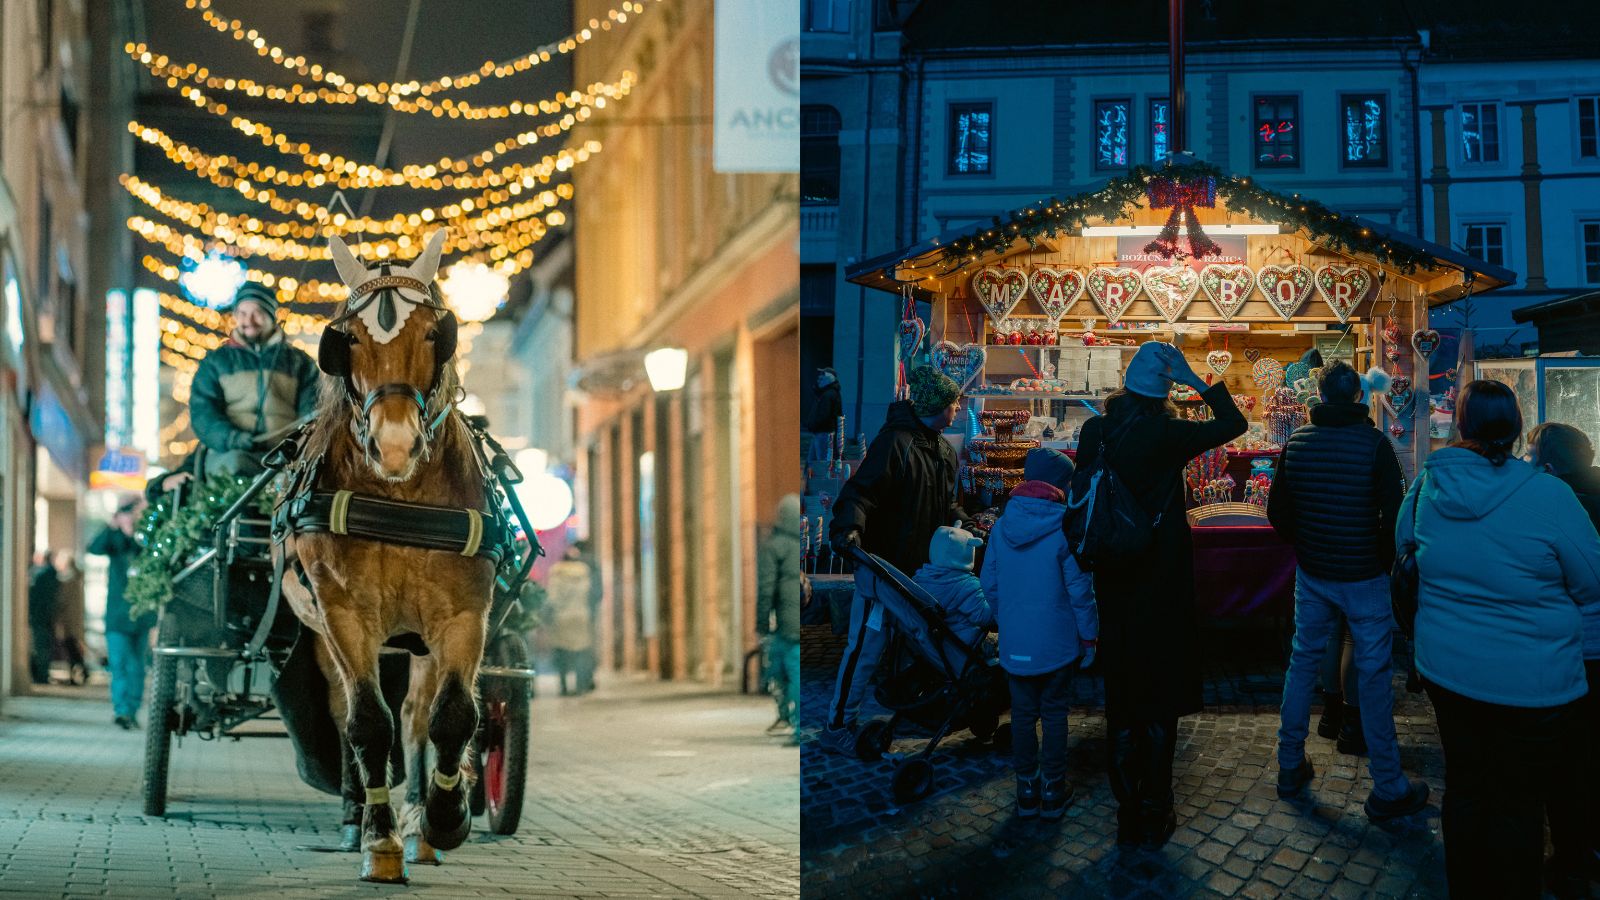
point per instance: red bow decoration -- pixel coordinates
(1182, 198)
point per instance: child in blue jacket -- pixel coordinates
(948, 577)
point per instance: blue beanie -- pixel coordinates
(1050, 466)
(1147, 371)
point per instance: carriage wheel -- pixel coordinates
(158, 728)
(503, 748)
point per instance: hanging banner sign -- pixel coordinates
(1131, 253)
(757, 76)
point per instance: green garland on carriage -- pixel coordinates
(172, 536)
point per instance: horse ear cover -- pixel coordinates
(444, 338)
(333, 352)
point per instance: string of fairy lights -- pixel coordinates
(513, 206)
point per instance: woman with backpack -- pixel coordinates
(1144, 580)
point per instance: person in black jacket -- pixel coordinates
(825, 412)
(1149, 649)
(1335, 498)
(44, 590)
(891, 507)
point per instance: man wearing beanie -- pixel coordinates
(251, 390)
(903, 492)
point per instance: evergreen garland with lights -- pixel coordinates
(1118, 199)
(171, 536)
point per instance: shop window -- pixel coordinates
(1591, 252)
(1480, 133)
(1364, 130)
(1488, 243)
(1111, 134)
(1277, 132)
(1589, 127)
(819, 154)
(831, 16)
(971, 138)
(1160, 128)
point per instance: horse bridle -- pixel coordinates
(333, 354)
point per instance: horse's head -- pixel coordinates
(390, 346)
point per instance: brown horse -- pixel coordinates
(386, 428)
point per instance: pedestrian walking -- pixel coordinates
(1335, 499)
(778, 608)
(903, 491)
(44, 589)
(566, 621)
(1505, 555)
(127, 637)
(1149, 650)
(1566, 453)
(69, 623)
(826, 408)
(1049, 628)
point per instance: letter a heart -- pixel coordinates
(1056, 290)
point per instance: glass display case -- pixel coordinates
(1552, 389)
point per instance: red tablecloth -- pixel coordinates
(1242, 570)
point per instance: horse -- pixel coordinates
(386, 432)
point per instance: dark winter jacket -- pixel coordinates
(904, 490)
(1586, 485)
(1336, 494)
(825, 411)
(1149, 651)
(961, 599)
(121, 550)
(242, 392)
(778, 574)
(1043, 602)
(44, 595)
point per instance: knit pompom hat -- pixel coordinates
(932, 391)
(258, 294)
(953, 548)
(1049, 466)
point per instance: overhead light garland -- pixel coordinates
(383, 90)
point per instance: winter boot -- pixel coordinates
(1028, 796)
(1352, 741)
(1332, 715)
(1054, 798)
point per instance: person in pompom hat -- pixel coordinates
(903, 492)
(250, 391)
(1049, 628)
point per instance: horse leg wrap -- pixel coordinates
(376, 796)
(447, 820)
(447, 782)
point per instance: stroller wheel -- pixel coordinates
(913, 780)
(983, 725)
(872, 741)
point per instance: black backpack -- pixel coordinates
(1105, 524)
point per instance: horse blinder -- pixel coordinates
(333, 352)
(444, 335)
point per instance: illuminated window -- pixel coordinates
(1277, 132)
(1111, 134)
(1488, 243)
(971, 131)
(1160, 128)
(1480, 132)
(1589, 127)
(1364, 131)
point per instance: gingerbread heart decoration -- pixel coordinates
(1252, 354)
(1286, 287)
(1219, 360)
(912, 331)
(1113, 289)
(1056, 290)
(1228, 286)
(1425, 342)
(999, 289)
(1400, 393)
(1343, 288)
(962, 363)
(1171, 288)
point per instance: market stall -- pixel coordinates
(1037, 313)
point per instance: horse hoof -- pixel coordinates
(421, 852)
(350, 839)
(384, 867)
(447, 828)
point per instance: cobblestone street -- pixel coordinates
(641, 789)
(1234, 838)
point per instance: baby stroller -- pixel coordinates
(932, 679)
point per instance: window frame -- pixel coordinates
(1385, 135)
(1299, 163)
(952, 108)
(1583, 246)
(818, 138)
(1461, 128)
(1505, 249)
(1577, 128)
(1094, 134)
(833, 7)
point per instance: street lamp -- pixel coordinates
(213, 279)
(474, 290)
(667, 368)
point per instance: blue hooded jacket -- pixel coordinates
(960, 595)
(1507, 558)
(1043, 602)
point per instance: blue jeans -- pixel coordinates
(129, 655)
(785, 655)
(1367, 609)
(1043, 701)
(863, 648)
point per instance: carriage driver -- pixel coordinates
(251, 391)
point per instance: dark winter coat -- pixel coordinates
(778, 575)
(242, 392)
(1586, 485)
(1149, 649)
(904, 490)
(121, 550)
(825, 410)
(44, 594)
(1336, 494)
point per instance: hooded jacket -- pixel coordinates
(1507, 556)
(1043, 603)
(1586, 485)
(243, 391)
(778, 573)
(960, 596)
(903, 491)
